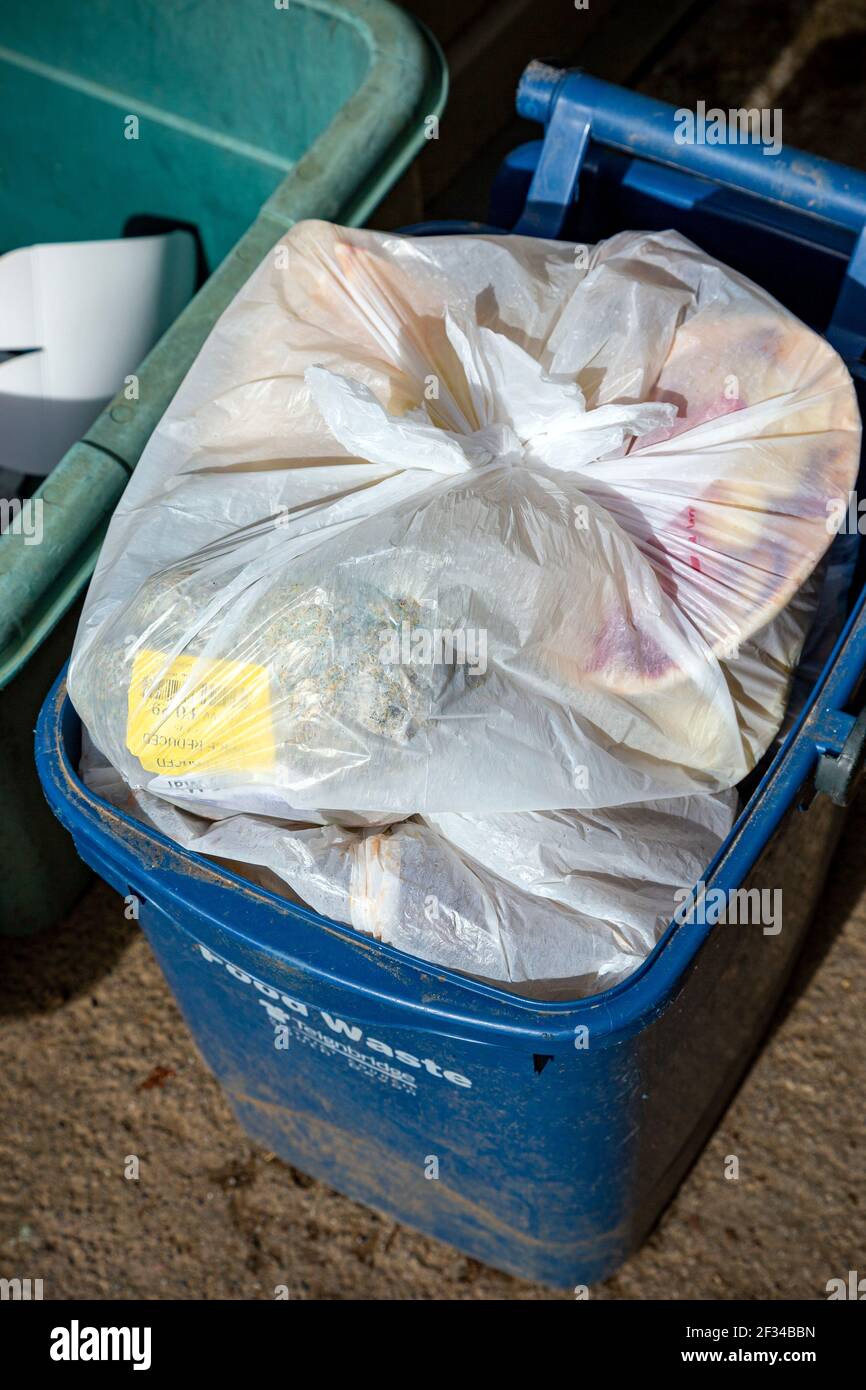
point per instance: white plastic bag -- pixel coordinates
(460, 581)
(595, 489)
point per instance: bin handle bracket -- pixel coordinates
(841, 765)
(554, 183)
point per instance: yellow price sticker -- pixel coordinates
(193, 714)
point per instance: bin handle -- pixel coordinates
(642, 127)
(838, 774)
(839, 736)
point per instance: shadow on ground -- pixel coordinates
(43, 972)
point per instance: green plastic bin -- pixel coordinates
(250, 116)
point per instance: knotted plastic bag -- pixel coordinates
(462, 525)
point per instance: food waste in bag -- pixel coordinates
(448, 530)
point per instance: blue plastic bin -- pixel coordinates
(560, 1130)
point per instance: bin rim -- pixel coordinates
(407, 76)
(610, 1016)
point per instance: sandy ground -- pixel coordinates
(98, 1065)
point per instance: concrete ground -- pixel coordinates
(98, 1065)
